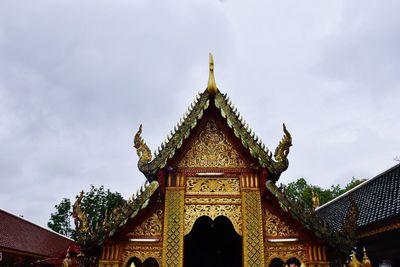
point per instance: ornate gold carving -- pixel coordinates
(141, 252)
(212, 200)
(150, 227)
(212, 186)
(233, 212)
(253, 243)
(275, 227)
(173, 228)
(142, 149)
(285, 252)
(213, 150)
(81, 219)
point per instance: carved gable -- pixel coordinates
(276, 227)
(212, 149)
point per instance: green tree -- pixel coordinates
(60, 221)
(300, 190)
(95, 203)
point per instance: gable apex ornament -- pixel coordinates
(212, 86)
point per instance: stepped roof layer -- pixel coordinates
(336, 238)
(20, 235)
(378, 199)
(275, 164)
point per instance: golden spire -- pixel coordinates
(315, 199)
(212, 86)
(366, 262)
(353, 261)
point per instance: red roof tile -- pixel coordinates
(21, 235)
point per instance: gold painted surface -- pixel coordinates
(212, 149)
(107, 263)
(172, 254)
(193, 212)
(141, 252)
(253, 243)
(212, 186)
(213, 200)
(211, 86)
(395, 225)
(285, 252)
(150, 227)
(275, 227)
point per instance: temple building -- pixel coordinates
(211, 199)
(23, 243)
(378, 223)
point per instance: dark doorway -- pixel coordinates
(276, 262)
(213, 244)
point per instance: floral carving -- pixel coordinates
(151, 227)
(275, 227)
(212, 186)
(213, 150)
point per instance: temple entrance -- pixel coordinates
(213, 244)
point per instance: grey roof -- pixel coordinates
(377, 199)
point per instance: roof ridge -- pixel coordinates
(309, 219)
(34, 224)
(234, 120)
(358, 187)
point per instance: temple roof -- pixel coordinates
(336, 238)
(22, 236)
(213, 97)
(378, 200)
(275, 164)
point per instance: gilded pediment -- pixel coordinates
(276, 227)
(212, 149)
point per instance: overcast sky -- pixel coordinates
(78, 77)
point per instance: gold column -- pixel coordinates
(172, 254)
(110, 255)
(253, 244)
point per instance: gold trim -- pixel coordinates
(378, 230)
(212, 186)
(172, 253)
(193, 212)
(213, 200)
(253, 243)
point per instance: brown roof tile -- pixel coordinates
(21, 235)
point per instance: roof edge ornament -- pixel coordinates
(211, 86)
(282, 151)
(142, 150)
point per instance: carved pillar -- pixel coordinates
(172, 254)
(110, 255)
(253, 244)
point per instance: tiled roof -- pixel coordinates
(309, 220)
(377, 199)
(18, 234)
(275, 164)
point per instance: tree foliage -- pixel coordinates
(302, 191)
(60, 220)
(95, 203)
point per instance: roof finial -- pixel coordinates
(212, 86)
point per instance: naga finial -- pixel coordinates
(142, 149)
(81, 219)
(212, 86)
(282, 150)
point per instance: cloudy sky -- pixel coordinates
(78, 77)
